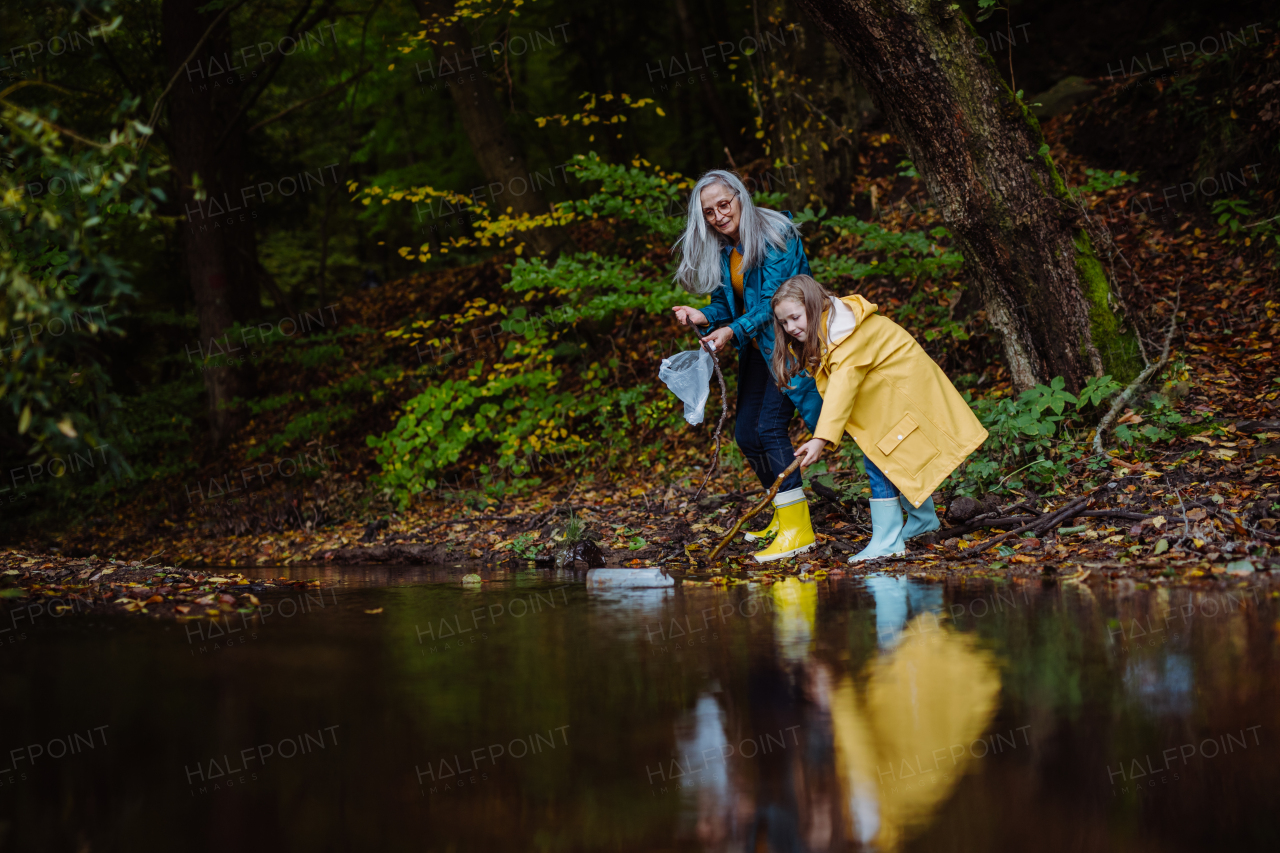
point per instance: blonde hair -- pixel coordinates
(790, 356)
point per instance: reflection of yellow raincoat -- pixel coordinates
(901, 747)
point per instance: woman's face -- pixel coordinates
(795, 322)
(722, 210)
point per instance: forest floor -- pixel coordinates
(1198, 509)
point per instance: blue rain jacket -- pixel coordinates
(756, 322)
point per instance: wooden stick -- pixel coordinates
(724, 413)
(773, 490)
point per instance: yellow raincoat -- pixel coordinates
(881, 387)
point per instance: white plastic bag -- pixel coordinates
(688, 375)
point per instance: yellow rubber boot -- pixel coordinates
(771, 529)
(795, 530)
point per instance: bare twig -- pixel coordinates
(1186, 525)
(724, 413)
(541, 517)
(1127, 515)
(1027, 505)
(773, 490)
(814, 107)
(64, 131)
(1127, 394)
(297, 25)
(305, 101)
(506, 66)
(155, 110)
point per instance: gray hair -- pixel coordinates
(700, 245)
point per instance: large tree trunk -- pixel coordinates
(496, 148)
(984, 159)
(218, 241)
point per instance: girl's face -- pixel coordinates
(791, 315)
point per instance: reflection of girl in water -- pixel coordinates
(858, 764)
(934, 692)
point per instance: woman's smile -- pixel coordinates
(721, 210)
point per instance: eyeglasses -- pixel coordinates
(722, 207)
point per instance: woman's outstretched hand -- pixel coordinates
(689, 316)
(810, 451)
(719, 339)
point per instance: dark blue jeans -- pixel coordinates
(881, 486)
(761, 421)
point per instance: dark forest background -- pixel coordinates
(339, 211)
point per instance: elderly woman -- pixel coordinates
(740, 254)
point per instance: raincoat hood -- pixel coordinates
(861, 308)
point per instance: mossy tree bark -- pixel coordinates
(985, 162)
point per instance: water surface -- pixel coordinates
(875, 713)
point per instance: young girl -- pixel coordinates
(880, 387)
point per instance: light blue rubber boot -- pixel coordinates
(921, 520)
(886, 531)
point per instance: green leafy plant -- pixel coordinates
(1022, 448)
(1160, 422)
(62, 292)
(900, 254)
(1230, 211)
(1098, 181)
(525, 547)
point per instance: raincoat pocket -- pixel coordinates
(907, 445)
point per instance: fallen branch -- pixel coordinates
(1049, 521)
(1114, 513)
(773, 490)
(724, 413)
(1127, 394)
(978, 524)
(1045, 522)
